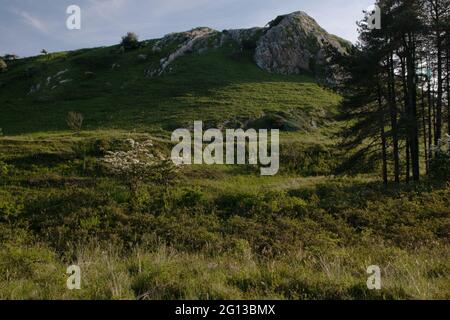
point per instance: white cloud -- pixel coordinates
(34, 22)
(105, 8)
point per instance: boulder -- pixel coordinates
(142, 57)
(60, 73)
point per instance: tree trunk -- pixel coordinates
(407, 115)
(412, 106)
(438, 134)
(430, 118)
(393, 116)
(424, 129)
(448, 84)
(383, 139)
(408, 161)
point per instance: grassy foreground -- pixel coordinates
(219, 233)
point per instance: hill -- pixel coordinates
(211, 76)
(216, 232)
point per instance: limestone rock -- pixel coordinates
(290, 44)
(60, 73)
(142, 57)
(195, 40)
(294, 43)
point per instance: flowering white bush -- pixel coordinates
(140, 164)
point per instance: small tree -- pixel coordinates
(130, 41)
(74, 121)
(3, 66)
(45, 52)
(139, 165)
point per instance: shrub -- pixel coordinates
(440, 167)
(30, 273)
(139, 165)
(10, 206)
(74, 121)
(3, 66)
(3, 169)
(10, 57)
(440, 163)
(130, 41)
(308, 159)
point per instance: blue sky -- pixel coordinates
(27, 26)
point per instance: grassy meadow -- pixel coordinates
(218, 232)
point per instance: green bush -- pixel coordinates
(314, 159)
(3, 169)
(130, 41)
(440, 167)
(10, 206)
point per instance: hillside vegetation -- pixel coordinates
(217, 232)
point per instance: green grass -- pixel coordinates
(222, 232)
(165, 273)
(213, 87)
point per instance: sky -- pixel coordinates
(28, 26)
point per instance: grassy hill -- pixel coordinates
(221, 231)
(216, 86)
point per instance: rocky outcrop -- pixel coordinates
(290, 44)
(195, 40)
(294, 43)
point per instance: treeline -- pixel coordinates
(396, 88)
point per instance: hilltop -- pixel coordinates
(228, 78)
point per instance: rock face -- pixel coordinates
(294, 43)
(195, 40)
(290, 44)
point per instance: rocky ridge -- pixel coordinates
(290, 44)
